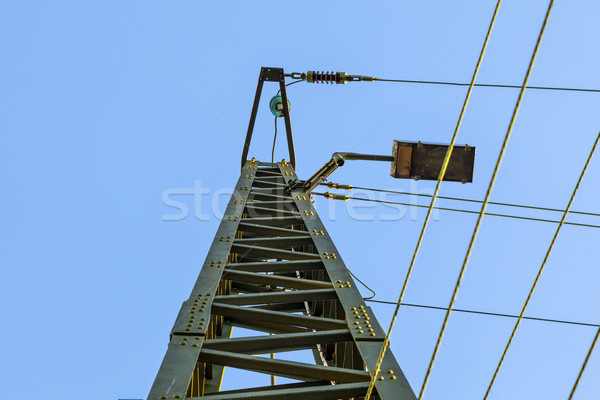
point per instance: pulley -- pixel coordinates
(276, 106)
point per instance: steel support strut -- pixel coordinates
(275, 75)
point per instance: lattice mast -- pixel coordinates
(273, 269)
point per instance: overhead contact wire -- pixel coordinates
(429, 210)
(541, 269)
(486, 200)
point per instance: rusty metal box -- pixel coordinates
(416, 160)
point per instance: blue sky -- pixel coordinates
(107, 105)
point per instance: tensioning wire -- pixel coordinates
(492, 314)
(486, 199)
(470, 200)
(537, 278)
(467, 211)
(429, 210)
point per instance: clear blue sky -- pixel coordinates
(105, 106)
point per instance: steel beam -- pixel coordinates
(289, 369)
(296, 392)
(278, 343)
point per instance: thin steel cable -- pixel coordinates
(362, 283)
(474, 201)
(485, 201)
(439, 181)
(492, 314)
(291, 83)
(537, 278)
(587, 358)
(469, 211)
(275, 136)
(491, 85)
(135, 364)
(409, 90)
(274, 139)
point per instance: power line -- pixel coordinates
(486, 199)
(342, 186)
(429, 210)
(493, 314)
(466, 211)
(489, 85)
(587, 358)
(541, 269)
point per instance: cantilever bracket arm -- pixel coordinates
(275, 75)
(337, 160)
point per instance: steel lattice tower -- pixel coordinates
(272, 268)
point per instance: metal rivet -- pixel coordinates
(372, 334)
(381, 378)
(389, 371)
(392, 377)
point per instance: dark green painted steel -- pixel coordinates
(273, 268)
(297, 392)
(278, 343)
